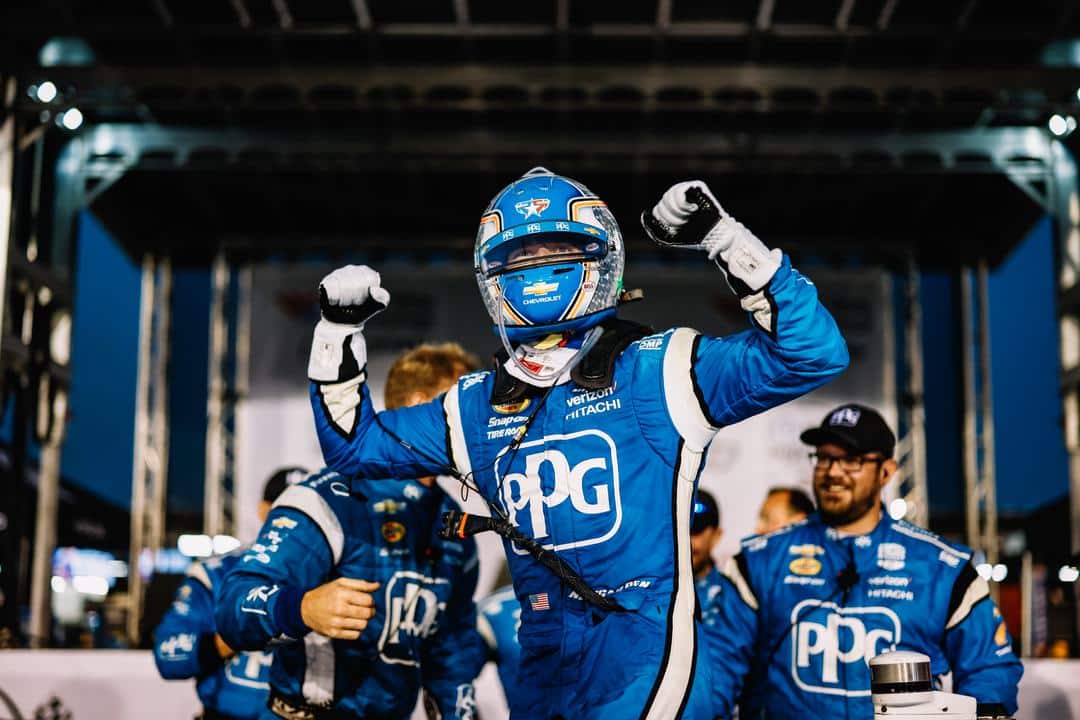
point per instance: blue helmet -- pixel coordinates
(548, 257)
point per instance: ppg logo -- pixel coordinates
(560, 485)
(831, 645)
(413, 604)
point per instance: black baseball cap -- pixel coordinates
(281, 479)
(856, 428)
(706, 513)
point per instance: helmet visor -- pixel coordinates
(519, 248)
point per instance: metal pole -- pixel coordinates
(245, 282)
(971, 459)
(988, 479)
(147, 299)
(7, 198)
(160, 409)
(917, 412)
(1027, 589)
(214, 483)
(45, 528)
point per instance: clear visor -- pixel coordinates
(538, 249)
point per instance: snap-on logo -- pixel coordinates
(569, 482)
(831, 646)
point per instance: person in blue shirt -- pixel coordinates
(498, 619)
(817, 600)
(230, 684)
(350, 584)
(587, 438)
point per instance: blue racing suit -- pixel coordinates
(812, 607)
(498, 618)
(184, 646)
(710, 592)
(424, 629)
(605, 478)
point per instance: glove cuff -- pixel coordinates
(741, 254)
(338, 352)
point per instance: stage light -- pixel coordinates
(195, 545)
(46, 92)
(1061, 125)
(898, 508)
(60, 338)
(70, 119)
(999, 573)
(59, 584)
(1068, 574)
(90, 585)
(224, 544)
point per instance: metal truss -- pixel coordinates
(230, 317)
(980, 481)
(35, 335)
(150, 467)
(105, 152)
(911, 446)
(1065, 207)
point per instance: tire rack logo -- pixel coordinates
(867, 632)
(413, 604)
(591, 484)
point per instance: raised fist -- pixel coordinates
(688, 216)
(352, 295)
(684, 216)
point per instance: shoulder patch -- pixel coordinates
(944, 546)
(473, 378)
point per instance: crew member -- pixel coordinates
(817, 600)
(783, 506)
(361, 600)
(187, 644)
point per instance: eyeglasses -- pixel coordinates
(847, 463)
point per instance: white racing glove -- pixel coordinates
(688, 216)
(348, 298)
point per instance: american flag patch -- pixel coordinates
(539, 602)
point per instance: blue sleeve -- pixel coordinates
(730, 640)
(794, 348)
(184, 640)
(355, 443)
(260, 598)
(979, 647)
(456, 653)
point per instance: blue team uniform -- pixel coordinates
(805, 641)
(498, 619)
(605, 478)
(184, 647)
(424, 630)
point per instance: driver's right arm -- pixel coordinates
(354, 441)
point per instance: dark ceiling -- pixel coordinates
(862, 127)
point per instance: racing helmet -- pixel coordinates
(548, 258)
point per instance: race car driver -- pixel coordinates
(818, 599)
(587, 438)
(360, 599)
(186, 644)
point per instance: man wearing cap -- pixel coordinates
(187, 644)
(816, 600)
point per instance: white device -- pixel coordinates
(901, 687)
